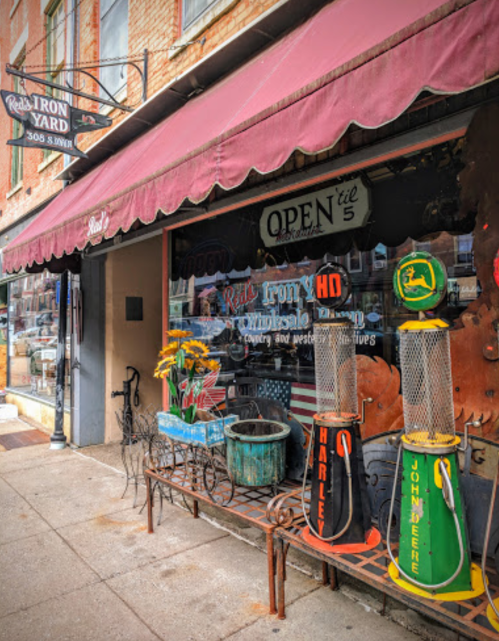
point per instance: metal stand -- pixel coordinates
(58, 438)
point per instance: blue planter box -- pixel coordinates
(209, 433)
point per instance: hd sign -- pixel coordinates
(50, 123)
(332, 285)
(328, 211)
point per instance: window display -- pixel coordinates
(33, 329)
(253, 301)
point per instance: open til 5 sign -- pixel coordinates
(343, 206)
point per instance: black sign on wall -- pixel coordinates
(332, 285)
(50, 123)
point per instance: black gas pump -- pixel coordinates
(127, 405)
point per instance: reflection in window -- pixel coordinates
(422, 246)
(266, 317)
(354, 260)
(464, 250)
(379, 256)
(33, 335)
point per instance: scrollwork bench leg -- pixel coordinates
(271, 572)
(150, 526)
(281, 577)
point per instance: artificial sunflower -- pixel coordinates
(170, 349)
(210, 363)
(164, 366)
(196, 348)
(178, 333)
(189, 362)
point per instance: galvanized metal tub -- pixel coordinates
(256, 452)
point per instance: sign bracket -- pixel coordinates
(68, 88)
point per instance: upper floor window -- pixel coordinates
(16, 167)
(56, 46)
(56, 51)
(113, 43)
(192, 10)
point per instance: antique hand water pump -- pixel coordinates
(434, 558)
(340, 516)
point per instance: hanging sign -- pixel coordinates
(332, 285)
(50, 123)
(420, 281)
(328, 211)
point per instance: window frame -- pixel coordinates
(54, 75)
(185, 27)
(17, 154)
(121, 91)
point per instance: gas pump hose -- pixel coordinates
(449, 499)
(486, 542)
(350, 490)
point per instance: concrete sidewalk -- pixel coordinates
(76, 563)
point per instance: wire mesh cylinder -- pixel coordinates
(335, 368)
(427, 385)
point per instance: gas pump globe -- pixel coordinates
(434, 557)
(340, 517)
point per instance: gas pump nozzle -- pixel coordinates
(447, 487)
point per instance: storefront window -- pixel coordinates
(266, 316)
(252, 299)
(33, 331)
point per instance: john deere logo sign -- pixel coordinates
(420, 281)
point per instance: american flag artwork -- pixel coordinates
(304, 402)
(209, 397)
(276, 390)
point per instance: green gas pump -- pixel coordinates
(434, 557)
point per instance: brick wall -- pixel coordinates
(152, 24)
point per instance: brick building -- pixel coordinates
(27, 41)
(54, 36)
(269, 140)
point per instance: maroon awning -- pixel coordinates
(355, 61)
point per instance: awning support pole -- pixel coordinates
(58, 438)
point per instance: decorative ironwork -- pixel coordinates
(141, 430)
(467, 617)
(204, 467)
(39, 77)
(280, 514)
